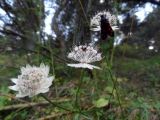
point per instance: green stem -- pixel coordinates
(73, 111)
(52, 64)
(114, 87)
(56, 104)
(77, 104)
(51, 56)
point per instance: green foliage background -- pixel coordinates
(127, 87)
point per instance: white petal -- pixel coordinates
(42, 65)
(80, 65)
(91, 66)
(28, 66)
(47, 69)
(20, 95)
(43, 90)
(31, 95)
(95, 67)
(15, 88)
(83, 65)
(70, 55)
(22, 69)
(95, 28)
(48, 82)
(14, 80)
(50, 79)
(114, 28)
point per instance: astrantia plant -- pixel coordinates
(95, 23)
(84, 54)
(32, 81)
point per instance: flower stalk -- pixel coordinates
(77, 96)
(42, 95)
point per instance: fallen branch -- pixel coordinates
(54, 115)
(13, 97)
(32, 104)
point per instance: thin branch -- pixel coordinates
(32, 104)
(12, 33)
(13, 97)
(54, 115)
(56, 105)
(83, 11)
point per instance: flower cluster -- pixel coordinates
(95, 21)
(84, 54)
(35, 80)
(32, 81)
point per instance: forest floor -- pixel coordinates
(139, 81)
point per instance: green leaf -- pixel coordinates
(109, 89)
(4, 100)
(101, 102)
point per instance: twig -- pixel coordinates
(61, 107)
(27, 105)
(54, 104)
(13, 97)
(54, 115)
(83, 11)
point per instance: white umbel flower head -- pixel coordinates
(84, 54)
(32, 81)
(95, 21)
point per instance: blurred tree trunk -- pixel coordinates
(59, 33)
(77, 18)
(26, 18)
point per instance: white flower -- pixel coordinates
(32, 81)
(95, 21)
(84, 54)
